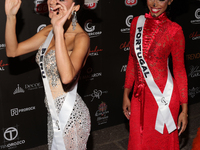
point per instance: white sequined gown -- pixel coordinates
(77, 129)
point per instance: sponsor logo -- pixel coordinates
(194, 36)
(87, 26)
(90, 6)
(16, 111)
(2, 65)
(130, 2)
(41, 27)
(125, 46)
(90, 75)
(193, 56)
(193, 92)
(123, 69)
(10, 134)
(18, 90)
(197, 16)
(96, 94)
(2, 46)
(128, 24)
(102, 114)
(90, 29)
(34, 86)
(95, 52)
(194, 71)
(41, 6)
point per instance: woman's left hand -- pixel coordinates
(182, 122)
(60, 14)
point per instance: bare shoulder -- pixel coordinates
(81, 42)
(82, 36)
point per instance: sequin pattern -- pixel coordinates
(50, 67)
(77, 129)
(161, 37)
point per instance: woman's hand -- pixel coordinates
(12, 7)
(60, 14)
(126, 107)
(182, 122)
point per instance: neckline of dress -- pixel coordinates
(49, 52)
(161, 17)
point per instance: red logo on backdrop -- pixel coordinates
(102, 107)
(125, 46)
(130, 2)
(194, 35)
(95, 52)
(90, 6)
(2, 65)
(41, 6)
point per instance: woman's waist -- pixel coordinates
(142, 85)
(58, 94)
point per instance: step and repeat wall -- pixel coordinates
(23, 121)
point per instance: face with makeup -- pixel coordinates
(157, 7)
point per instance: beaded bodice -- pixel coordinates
(52, 73)
(77, 129)
(161, 37)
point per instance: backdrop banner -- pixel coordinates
(22, 110)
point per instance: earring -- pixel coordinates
(74, 20)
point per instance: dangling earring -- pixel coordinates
(74, 20)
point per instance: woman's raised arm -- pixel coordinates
(13, 48)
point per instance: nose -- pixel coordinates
(52, 2)
(155, 3)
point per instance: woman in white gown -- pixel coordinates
(63, 49)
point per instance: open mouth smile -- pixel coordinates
(155, 10)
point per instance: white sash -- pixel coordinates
(59, 121)
(164, 115)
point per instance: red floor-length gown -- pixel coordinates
(160, 38)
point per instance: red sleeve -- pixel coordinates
(130, 70)
(180, 76)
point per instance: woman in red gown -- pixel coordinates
(161, 37)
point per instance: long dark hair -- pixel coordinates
(79, 2)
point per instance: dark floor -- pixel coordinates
(116, 137)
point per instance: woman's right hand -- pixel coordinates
(59, 17)
(12, 7)
(126, 107)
